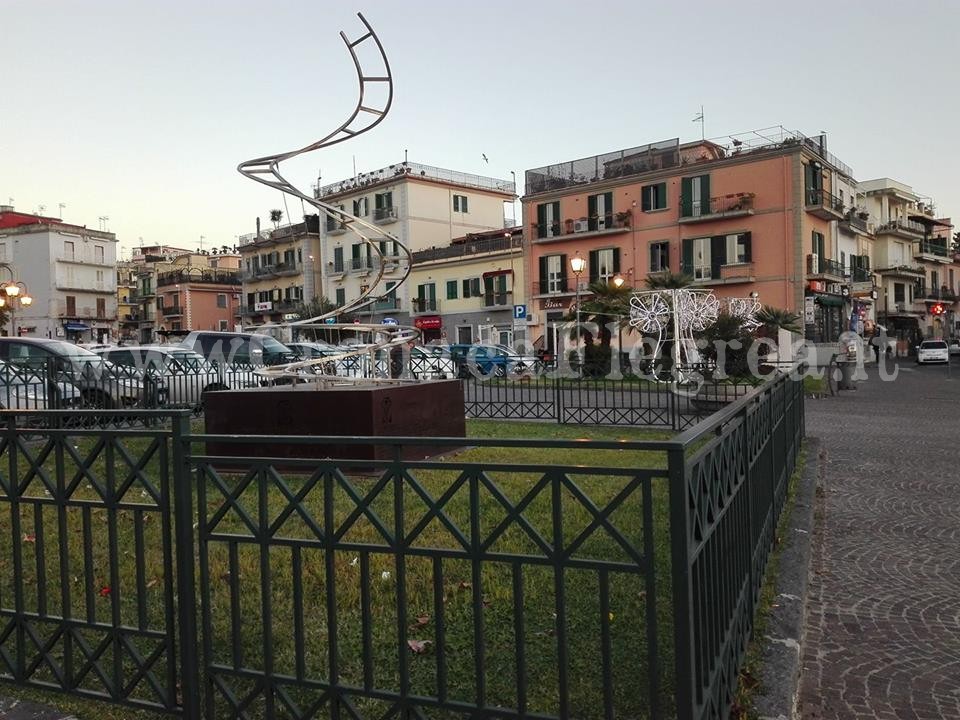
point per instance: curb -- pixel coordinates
(19, 710)
(780, 659)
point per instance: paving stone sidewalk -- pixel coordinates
(883, 621)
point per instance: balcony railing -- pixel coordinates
(425, 305)
(902, 225)
(361, 264)
(383, 304)
(172, 310)
(498, 299)
(578, 226)
(859, 274)
(823, 203)
(310, 225)
(474, 247)
(824, 266)
(411, 169)
(213, 276)
(852, 220)
(335, 226)
(932, 248)
(276, 306)
(733, 204)
(131, 318)
(384, 214)
(554, 287)
(922, 292)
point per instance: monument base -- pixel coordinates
(426, 409)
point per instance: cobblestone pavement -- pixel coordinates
(883, 622)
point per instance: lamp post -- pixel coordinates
(12, 293)
(577, 264)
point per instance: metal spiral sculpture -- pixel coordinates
(266, 170)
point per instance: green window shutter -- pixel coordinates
(865, 262)
(608, 209)
(355, 252)
(594, 266)
(704, 194)
(645, 198)
(688, 256)
(488, 285)
(541, 221)
(501, 283)
(451, 289)
(420, 292)
(466, 289)
(475, 287)
(543, 273)
(686, 200)
(592, 212)
(718, 253)
(556, 217)
(563, 273)
(747, 244)
(661, 201)
(616, 260)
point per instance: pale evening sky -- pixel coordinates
(141, 111)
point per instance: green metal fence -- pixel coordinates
(161, 568)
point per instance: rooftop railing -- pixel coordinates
(412, 169)
(475, 247)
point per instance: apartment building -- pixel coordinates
(149, 261)
(467, 291)
(279, 271)
(198, 293)
(918, 270)
(423, 207)
(69, 271)
(128, 307)
(754, 215)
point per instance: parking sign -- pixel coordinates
(519, 312)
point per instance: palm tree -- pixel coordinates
(605, 304)
(773, 319)
(669, 280)
(275, 217)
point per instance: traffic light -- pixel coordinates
(938, 309)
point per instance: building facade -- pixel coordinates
(278, 271)
(755, 216)
(127, 306)
(198, 294)
(70, 272)
(423, 207)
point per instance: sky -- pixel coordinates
(141, 111)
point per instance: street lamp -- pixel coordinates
(13, 293)
(577, 264)
(618, 281)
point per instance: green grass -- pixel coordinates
(813, 385)
(521, 469)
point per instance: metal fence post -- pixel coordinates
(182, 489)
(680, 575)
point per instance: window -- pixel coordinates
(341, 297)
(695, 196)
(843, 260)
(68, 250)
(553, 274)
(495, 290)
(338, 259)
(818, 244)
(451, 289)
(389, 248)
(471, 288)
(361, 207)
(222, 325)
(221, 300)
(604, 264)
(600, 211)
(460, 203)
(99, 277)
(653, 197)
(98, 254)
(71, 305)
(383, 206)
(701, 259)
(813, 182)
(101, 307)
(934, 280)
(737, 249)
(659, 256)
(426, 298)
(548, 219)
(361, 256)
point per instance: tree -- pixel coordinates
(5, 319)
(669, 281)
(315, 308)
(773, 319)
(606, 304)
(275, 217)
(729, 333)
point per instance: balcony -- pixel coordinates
(384, 304)
(130, 319)
(853, 223)
(560, 286)
(823, 204)
(858, 274)
(718, 274)
(287, 268)
(716, 208)
(582, 228)
(823, 267)
(335, 268)
(77, 259)
(384, 215)
(173, 310)
(73, 312)
(933, 252)
(907, 270)
(361, 265)
(910, 229)
(941, 294)
(498, 299)
(388, 175)
(425, 305)
(335, 227)
(469, 248)
(213, 276)
(96, 288)
(273, 307)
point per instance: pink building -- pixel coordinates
(755, 217)
(199, 298)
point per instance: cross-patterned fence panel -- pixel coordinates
(432, 588)
(86, 563)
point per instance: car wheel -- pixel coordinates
(97, 399)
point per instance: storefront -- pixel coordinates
(430, 327)
(825, 318)
(76, 332)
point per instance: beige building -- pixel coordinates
(279, 271)
(918, 275)
(127, 305)
(424, 208)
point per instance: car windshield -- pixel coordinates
(933, 345)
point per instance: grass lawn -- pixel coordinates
(365, 571)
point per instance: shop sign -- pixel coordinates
(552, 305)
(860, 289)
(817, 285)
(431, 322)
(263, 306)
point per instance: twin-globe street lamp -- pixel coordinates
(12, 293)
(577, 264)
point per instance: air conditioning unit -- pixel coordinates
(580, 226)
(814, 263)
(601, 223)
(532, 319)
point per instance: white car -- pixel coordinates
(22, 389)
(954, 344)
(931, 351)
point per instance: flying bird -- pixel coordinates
(484, 156)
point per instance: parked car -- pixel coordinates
(315, 349)
(498, 360)
(101, 383)
(23, 389)
(953, 346)
(238, 348)
(187, 375)
(432, 362)
(931, 351)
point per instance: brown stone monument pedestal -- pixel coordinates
(425, 409)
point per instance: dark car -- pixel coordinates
(497, 360)
(239, 348)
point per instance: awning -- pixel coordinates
(494, 273)
(76, 327)
(829, 300)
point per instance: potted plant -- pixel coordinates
(624, 217)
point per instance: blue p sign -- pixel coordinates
(519, 312)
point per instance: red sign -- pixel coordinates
(430, 322)
(817, 285)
